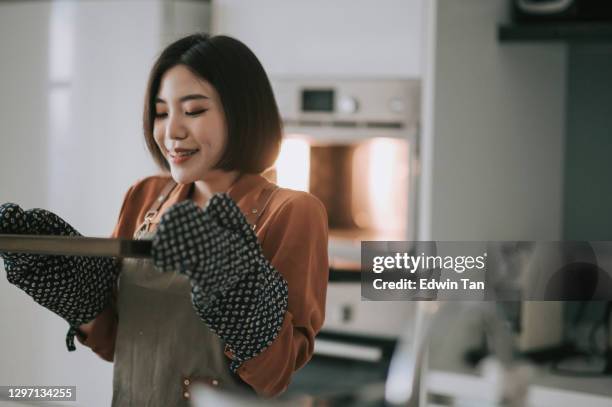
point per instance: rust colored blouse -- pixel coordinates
(292, 230)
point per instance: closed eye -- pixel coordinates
(196, 112)
(160, 115)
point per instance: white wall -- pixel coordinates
(23, 116)
(23, 112)
(493, 128)
(99, 151)
(327, 38)
(72, 81)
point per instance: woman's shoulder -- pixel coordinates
(290, 201)
(292, 218)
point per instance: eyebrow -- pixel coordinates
(184, 98)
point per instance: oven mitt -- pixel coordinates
(234, 289)
(75, 288)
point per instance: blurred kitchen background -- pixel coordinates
(409, 119)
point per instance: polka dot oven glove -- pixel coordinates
(235, 290)
(75, 288)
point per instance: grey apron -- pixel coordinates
(162, 345)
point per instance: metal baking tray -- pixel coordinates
(75, 246)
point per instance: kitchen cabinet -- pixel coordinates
(587, 195)
(516, 129)
(492, 128)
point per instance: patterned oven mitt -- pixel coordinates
(75, 288)
(235, 290)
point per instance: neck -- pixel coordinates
(218, 182)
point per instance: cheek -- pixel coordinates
(220, 134)
(218, 141)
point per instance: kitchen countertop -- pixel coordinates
(546, 389)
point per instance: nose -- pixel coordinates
(175, 128)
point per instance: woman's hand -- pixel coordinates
(14, 220)
(100, 334)
(75, 288)
(235, 290)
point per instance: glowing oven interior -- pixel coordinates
(364, 185)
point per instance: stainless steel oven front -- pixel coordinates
(354, 143)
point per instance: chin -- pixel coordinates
(182, 177)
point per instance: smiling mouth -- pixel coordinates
(182, 153)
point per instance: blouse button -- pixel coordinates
(214, 382)
(187, 382)
(186, 394)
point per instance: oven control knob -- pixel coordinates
(397, 105)
(347, 104)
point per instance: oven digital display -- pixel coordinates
(320, 100)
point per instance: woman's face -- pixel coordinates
(189, 126)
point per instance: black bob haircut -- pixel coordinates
(254, 128)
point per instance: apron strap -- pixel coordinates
(252, 216)
(260, 206)
(163, 195)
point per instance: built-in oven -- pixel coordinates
(353, 143)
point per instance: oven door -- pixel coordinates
(368, 187)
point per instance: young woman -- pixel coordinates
(235, 292)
